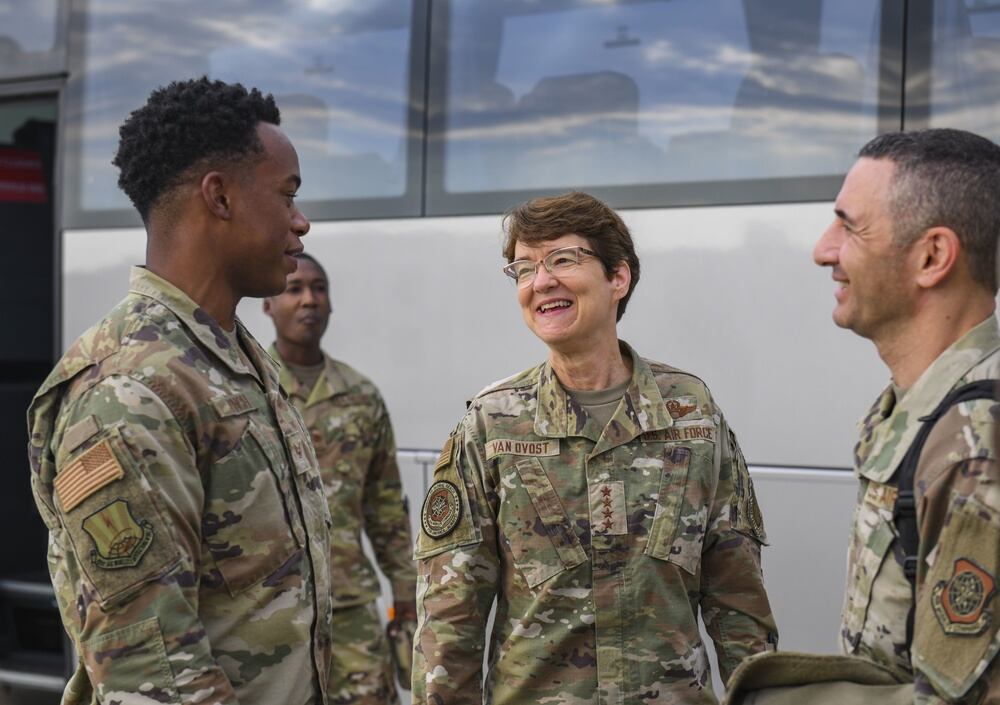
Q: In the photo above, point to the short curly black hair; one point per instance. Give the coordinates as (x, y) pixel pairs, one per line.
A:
(184, 124)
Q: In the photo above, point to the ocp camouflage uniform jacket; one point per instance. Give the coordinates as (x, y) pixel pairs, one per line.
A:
(354, 444)
(188, 532)
(957, 488)
(600, 548)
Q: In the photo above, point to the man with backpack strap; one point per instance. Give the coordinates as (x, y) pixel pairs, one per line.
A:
(913, 251)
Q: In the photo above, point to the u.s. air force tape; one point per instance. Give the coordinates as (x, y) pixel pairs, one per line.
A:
(441, 511)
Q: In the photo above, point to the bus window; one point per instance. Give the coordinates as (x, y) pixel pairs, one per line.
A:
(29, 38)
(339, 71)
(552, 94)
(965, 67)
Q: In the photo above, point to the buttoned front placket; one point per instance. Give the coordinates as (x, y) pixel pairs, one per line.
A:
(301, 484)
(609, 534)
(641, 410)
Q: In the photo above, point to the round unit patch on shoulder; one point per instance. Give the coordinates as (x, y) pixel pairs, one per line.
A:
(960, 603)
(441, 511)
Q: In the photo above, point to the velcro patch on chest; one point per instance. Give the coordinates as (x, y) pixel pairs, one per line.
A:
(607, 508)
(232, 405)
(684, 407)
(89, 472)
(881, 496)
(682, 434)
(960, 602)
(535, 449)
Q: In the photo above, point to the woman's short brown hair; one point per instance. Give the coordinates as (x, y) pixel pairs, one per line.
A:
(574, 213)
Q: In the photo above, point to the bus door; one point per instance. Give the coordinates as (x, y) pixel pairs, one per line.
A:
(31, 635)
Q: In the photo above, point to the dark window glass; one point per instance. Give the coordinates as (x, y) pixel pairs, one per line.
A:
(27, 309)
(339, 71)
(27, 161)
(29, 38)
(965, 66)
(546, 94)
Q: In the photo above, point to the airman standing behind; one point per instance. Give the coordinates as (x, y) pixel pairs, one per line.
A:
(188, 532)
(354, 443)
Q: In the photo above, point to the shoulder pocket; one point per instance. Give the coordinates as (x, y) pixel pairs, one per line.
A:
(245, 526)
(112, 517)
(447, 518)
(130, 662)
(533, 522)
(958, 634)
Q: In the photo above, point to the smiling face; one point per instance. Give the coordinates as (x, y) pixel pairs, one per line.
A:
(267, 225)
(874, 289)
(302, 312)
(575, 310)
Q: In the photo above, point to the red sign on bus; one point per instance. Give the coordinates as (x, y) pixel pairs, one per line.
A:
(22, 177)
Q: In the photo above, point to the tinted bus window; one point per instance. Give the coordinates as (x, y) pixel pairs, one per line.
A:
(339, 72)
(547, 94)
(27, 168)
(29, 34)
(965, 66)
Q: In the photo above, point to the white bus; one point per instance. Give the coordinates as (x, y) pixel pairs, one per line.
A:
(721, 129)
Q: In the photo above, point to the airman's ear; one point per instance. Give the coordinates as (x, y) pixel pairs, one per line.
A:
(267, 305)
(621, 278)
(214, 192)
(937, 253)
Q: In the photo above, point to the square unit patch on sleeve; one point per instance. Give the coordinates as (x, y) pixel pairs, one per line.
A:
(89, 472)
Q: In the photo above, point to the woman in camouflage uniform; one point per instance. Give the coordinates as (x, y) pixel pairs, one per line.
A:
(600, 498)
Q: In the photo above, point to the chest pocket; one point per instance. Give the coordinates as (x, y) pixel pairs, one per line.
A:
(680, 519)
(534, 523)
(347, 439)
(869, 548)
(246, 525)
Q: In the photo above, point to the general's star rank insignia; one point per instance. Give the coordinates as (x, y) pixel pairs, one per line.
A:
(607, 508)
(441, 511)
(120, 541)
(960, 602)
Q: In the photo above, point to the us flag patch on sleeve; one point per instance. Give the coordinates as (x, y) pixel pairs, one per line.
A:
(90, 471)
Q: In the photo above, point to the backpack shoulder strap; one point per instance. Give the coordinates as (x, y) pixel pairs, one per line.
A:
(904, 513)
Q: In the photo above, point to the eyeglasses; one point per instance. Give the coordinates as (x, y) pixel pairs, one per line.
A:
(561, 261)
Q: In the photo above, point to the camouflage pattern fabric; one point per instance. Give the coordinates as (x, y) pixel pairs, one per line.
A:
(957, 487)
(188, 531)
(351, 432)
(600, 547)
(361, 672)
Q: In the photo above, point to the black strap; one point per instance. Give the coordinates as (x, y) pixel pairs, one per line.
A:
(904, 513)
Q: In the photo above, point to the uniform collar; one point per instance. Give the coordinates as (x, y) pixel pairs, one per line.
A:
(330, 383)
(642, 409)
(201, 325)
(890, 427)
